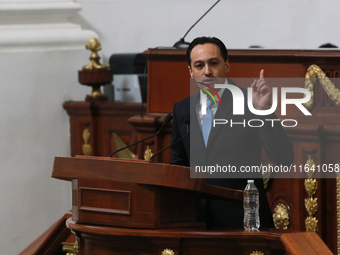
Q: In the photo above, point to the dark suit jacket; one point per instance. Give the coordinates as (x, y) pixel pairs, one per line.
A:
(235, 146)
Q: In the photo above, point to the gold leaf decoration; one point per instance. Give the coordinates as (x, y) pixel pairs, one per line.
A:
(86, 148)
(94, 46)
(311, 204)
(310, 166)
(120, 144)
(168, 252)
(70, 248)
(314, 72)
(148, 153)
(256, 253)
(311, 224)
(310, 186)
(281, 216)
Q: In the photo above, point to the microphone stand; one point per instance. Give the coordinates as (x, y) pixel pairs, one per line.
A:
(183, 44)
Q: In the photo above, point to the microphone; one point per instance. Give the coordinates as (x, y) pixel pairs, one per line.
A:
(167, 119)
(183, 44)
(186, 121)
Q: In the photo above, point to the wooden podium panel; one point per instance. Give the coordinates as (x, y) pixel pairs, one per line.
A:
(109, 240)
(132, 205)
(134, 193)
(169, 79)
(104, 122)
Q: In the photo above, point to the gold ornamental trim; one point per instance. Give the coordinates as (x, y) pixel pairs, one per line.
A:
(86, 148)
(311, 204)
(314, 72)
(71, 248)
(281, 216)
(148, 153)
(168, 252)
(310, 165)
(120, 144)
(310, 186)
(94, 46)
(311, 224)
(256, 253)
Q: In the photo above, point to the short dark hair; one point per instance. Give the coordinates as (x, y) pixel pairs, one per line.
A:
(203, 40)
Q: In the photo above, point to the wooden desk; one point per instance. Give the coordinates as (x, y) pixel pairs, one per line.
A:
(121, 241)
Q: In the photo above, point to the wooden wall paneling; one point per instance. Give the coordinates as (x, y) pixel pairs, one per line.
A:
(330, 231)
(306, 140)
(169, 81)
(80, 119)
(248, 69)
(282, 191)
(102, 119)
(168, 77)
(110, 121)
(148, 125)
(330, 210)
(144, 130)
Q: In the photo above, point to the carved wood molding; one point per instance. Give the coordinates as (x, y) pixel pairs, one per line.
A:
(41, 25)
(314, 72)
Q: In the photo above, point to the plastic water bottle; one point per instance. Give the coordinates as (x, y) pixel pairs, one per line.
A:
(251, 204)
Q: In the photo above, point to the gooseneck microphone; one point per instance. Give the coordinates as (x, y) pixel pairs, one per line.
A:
(167, 119)
(186, 121)
(183, 44)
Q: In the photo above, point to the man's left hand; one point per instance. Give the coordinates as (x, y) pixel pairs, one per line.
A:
(261, 93)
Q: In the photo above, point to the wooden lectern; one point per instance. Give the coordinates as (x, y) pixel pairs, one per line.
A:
(136, 207)
(134, 193)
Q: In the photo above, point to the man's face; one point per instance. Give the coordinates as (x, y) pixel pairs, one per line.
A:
(207, 62)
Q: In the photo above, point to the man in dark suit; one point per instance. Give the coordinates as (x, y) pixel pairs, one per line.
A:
(237, 145)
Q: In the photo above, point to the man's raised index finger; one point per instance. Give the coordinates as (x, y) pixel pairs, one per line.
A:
(261, 73)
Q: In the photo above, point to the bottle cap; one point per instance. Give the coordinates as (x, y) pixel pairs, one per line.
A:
(250, 181)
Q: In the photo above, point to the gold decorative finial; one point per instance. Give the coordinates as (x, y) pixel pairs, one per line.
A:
(168, 252)
(148, 153)
(95, 74)
(94, 46)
